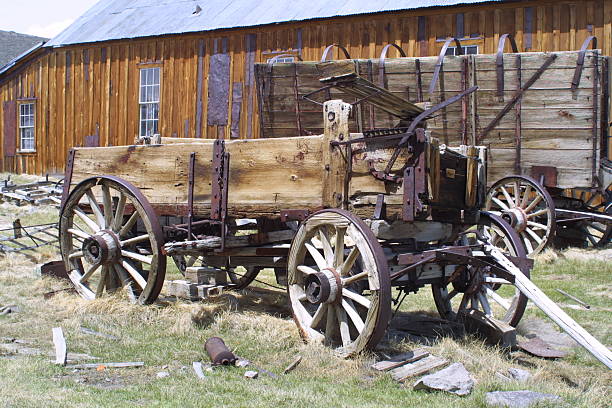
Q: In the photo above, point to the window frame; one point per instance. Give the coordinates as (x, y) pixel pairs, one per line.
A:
(464, 47)
(152, 101)
(21, 127)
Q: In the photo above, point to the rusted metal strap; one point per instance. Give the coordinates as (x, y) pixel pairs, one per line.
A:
(499, 60)
(67, 178)
(464, 101)
(517, 96)
(381, 63)
(517, 123)
(218, 202)
(436, 74)
(190, 188)
(425, 114)
(414, 180)
(580, 61)
(326, 53)
(417, 67)
(594, 137)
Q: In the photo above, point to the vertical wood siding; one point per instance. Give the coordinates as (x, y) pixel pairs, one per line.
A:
(89, 94)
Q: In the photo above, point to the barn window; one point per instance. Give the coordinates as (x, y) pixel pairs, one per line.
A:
(26, 127)
(149, 101)
(467, 49)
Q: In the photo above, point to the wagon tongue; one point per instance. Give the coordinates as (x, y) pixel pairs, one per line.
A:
(529, 289)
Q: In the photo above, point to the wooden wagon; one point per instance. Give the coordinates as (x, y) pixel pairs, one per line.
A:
(342, 218)
(542, 116)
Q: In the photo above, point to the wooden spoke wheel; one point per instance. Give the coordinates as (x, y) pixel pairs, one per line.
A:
(243, 276)
(110, 238)
(338, 282)
(527, 207)
(478, 288)
(592, 233)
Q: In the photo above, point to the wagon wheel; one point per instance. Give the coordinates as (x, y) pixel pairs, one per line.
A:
(242, 276)
(527, 207)
(494, 297)
(338, 282)
(596, 234)
(100, 249)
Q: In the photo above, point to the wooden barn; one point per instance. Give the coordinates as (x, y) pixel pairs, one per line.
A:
(186, 68)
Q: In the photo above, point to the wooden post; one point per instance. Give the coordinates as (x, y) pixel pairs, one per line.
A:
(336, 118)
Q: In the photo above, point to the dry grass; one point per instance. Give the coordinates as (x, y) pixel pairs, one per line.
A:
(169, 335)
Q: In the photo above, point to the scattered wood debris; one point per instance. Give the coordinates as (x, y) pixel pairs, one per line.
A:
(4, 310)
(59, 341)
(495, 332)
(400, 360)
(98, 334)
(197, 367)
(574, 298)
(418, 367)
(103, 366)
(293, 365)
(41, 192)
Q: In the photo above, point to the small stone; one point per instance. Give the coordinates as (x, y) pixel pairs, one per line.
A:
(163, 374)
(454, 379)
(251, 374)
(518, 399)
(519, 374)
(164, 367)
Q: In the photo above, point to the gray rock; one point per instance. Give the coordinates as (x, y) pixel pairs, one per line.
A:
(454, 379)
(536, 327)
(518, 399)
(519, 374)
(242, 362)
(163, 374)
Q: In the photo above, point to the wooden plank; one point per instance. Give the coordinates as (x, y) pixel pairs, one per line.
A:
(106, 365)
(419, 367)
(60, 346)
(400, 360)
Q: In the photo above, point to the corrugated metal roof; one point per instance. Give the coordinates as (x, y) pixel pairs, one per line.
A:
(124, 19)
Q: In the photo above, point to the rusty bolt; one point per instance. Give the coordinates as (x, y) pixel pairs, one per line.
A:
(294, 177)
(327, 167)
(331, 116)
(341, 136)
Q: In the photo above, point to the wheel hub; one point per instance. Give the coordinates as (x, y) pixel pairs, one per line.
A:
(324, 286)
(101, 248)
(516, 217)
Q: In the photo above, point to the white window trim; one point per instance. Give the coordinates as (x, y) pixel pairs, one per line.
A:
(141, 102)
(33, 127)
(464, 47)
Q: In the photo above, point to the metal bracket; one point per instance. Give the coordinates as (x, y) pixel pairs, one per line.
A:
(414, 180)
(436, 74)
(294, 215)
(330, 47)
(500, 61)
(67, 178)
(190, 188)
(220, 185)
(580, 60)
(381, 63)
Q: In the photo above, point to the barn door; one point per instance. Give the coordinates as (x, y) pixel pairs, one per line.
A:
(10, 128)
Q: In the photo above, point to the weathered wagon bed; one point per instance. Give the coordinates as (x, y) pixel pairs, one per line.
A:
(551, 124)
